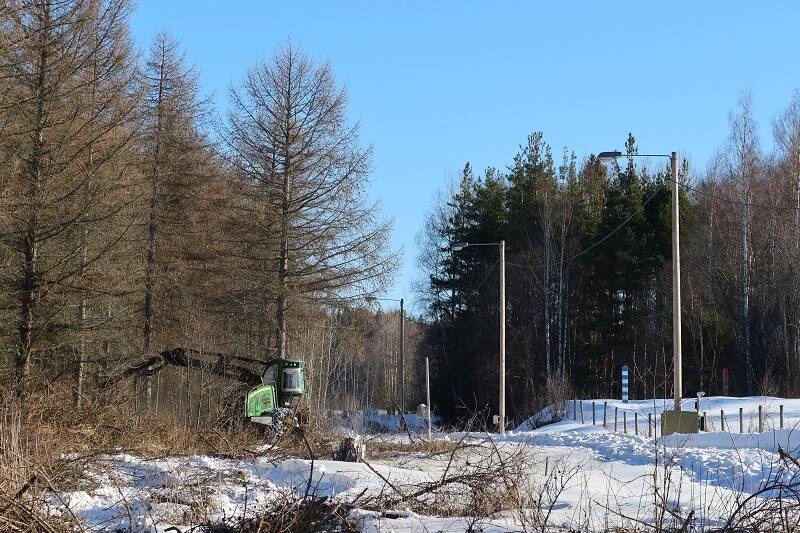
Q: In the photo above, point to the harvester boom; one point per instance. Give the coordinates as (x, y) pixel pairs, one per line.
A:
(216, 363)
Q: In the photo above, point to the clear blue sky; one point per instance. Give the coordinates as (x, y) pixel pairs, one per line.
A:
(435, 84)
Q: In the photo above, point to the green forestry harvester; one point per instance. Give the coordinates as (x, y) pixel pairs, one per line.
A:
(276, 387)
(276, 401)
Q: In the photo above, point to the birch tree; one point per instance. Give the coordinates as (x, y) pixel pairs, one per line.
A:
(743, 161)
(787, 135)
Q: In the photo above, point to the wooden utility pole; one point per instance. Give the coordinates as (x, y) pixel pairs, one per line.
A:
(402, 359)
(676, 287)
(502, 400)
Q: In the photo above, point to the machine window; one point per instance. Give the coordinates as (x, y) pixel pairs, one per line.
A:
(292, 380)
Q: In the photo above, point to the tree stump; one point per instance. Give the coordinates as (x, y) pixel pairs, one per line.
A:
(350, 450)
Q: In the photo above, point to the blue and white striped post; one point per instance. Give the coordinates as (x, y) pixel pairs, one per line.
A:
(624, 383)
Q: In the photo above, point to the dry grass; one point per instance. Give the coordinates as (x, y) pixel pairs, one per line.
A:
(380, 448)
(46, 450)
(46, 447)
(291, 515)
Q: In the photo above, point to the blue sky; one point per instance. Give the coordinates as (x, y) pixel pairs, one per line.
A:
(436, 84)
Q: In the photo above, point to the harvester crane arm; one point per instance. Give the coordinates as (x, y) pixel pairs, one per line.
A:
(216, 363)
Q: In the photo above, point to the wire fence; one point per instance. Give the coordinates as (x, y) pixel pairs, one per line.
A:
(646, 420)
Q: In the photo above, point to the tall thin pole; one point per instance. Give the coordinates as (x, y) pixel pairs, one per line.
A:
(676, 287)
(402, 359)
(502, 399)
(428, 393)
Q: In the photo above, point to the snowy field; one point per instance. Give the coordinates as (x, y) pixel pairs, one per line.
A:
(573, 475)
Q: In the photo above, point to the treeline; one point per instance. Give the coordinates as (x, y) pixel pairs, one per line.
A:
(134, 219)
(589, 279)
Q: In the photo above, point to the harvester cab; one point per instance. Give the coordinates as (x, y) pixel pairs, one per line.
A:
(275, 401)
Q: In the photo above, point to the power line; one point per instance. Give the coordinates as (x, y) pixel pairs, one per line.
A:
(640, 209)
(735, 202)
(486, 277)
(653, 195)
(721, 198)
(601, 241)
(375, 330)
(612, 232)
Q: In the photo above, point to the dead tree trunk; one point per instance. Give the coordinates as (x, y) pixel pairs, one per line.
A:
(29, 244)
(152, 226)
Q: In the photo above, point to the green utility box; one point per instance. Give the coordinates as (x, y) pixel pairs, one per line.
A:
(679, 422)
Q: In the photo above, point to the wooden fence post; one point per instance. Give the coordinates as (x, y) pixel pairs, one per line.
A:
(615, 419)
(581, 406)
(636, 422)
(625, 422)
(781, 416)
(605, 405)
(741, 421)
(649, 425)
(761, 419)
(593, 422)
(722, 420)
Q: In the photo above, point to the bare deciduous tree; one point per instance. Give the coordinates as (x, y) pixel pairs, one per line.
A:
(743, 165)
(69, 127)
(299, 163)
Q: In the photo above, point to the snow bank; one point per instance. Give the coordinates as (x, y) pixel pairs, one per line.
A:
(722, 458)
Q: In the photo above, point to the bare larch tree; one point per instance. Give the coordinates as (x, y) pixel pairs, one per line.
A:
(66, 149)
(294, 151)
(173, 149)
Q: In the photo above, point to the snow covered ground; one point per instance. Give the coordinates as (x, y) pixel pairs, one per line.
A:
(713, 407)
(380, 421)
(579, 475)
